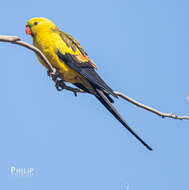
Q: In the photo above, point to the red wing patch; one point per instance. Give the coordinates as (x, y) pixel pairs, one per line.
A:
(81, 58)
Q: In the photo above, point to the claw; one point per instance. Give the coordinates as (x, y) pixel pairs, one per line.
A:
(59, 85)
(48, 73)
(53, 72)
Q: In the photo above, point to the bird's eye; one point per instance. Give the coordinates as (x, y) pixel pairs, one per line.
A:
(35, 23)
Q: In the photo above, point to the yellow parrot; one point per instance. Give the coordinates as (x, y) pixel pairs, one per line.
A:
(72, 62)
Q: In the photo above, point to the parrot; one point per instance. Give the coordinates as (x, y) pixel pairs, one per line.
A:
(73, 64)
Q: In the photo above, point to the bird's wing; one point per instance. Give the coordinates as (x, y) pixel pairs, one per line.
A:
(82, 58)
(85, 70)
(81, 63)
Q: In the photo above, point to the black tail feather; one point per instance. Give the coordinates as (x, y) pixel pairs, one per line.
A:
(109, 98)
(104, 100)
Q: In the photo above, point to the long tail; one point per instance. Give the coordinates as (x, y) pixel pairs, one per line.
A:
(104, 100)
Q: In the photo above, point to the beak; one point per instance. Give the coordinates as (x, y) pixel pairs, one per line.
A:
(28, 31)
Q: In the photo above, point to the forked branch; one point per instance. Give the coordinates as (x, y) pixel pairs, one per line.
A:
(52, 71)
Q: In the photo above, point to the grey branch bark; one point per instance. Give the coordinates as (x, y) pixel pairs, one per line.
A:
(52, 71)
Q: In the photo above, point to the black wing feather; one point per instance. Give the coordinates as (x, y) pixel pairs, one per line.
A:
(87, 71)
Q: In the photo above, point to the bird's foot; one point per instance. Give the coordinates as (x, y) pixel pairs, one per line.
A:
(59, 84)
(52, 72)
(49, 73)
(55, 75)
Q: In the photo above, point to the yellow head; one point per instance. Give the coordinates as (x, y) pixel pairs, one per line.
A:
(36, 25)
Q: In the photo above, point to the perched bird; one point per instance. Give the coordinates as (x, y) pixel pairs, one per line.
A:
(72, 63)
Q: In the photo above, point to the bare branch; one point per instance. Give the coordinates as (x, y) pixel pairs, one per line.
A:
(16, 40)
(53, 72)
(163, 115)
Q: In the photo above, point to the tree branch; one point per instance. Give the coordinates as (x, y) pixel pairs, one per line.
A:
(163, 115)
(53, 72)
(16, 40)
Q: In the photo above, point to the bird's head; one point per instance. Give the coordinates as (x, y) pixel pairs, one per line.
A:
(36, 25)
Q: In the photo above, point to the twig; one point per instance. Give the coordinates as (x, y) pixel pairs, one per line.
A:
(16, 40)
(163, 115)
(53, 71)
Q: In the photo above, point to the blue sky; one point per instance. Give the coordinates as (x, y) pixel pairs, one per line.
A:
(141, 49)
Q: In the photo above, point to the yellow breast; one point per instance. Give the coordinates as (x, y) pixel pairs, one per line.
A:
(49, 44)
